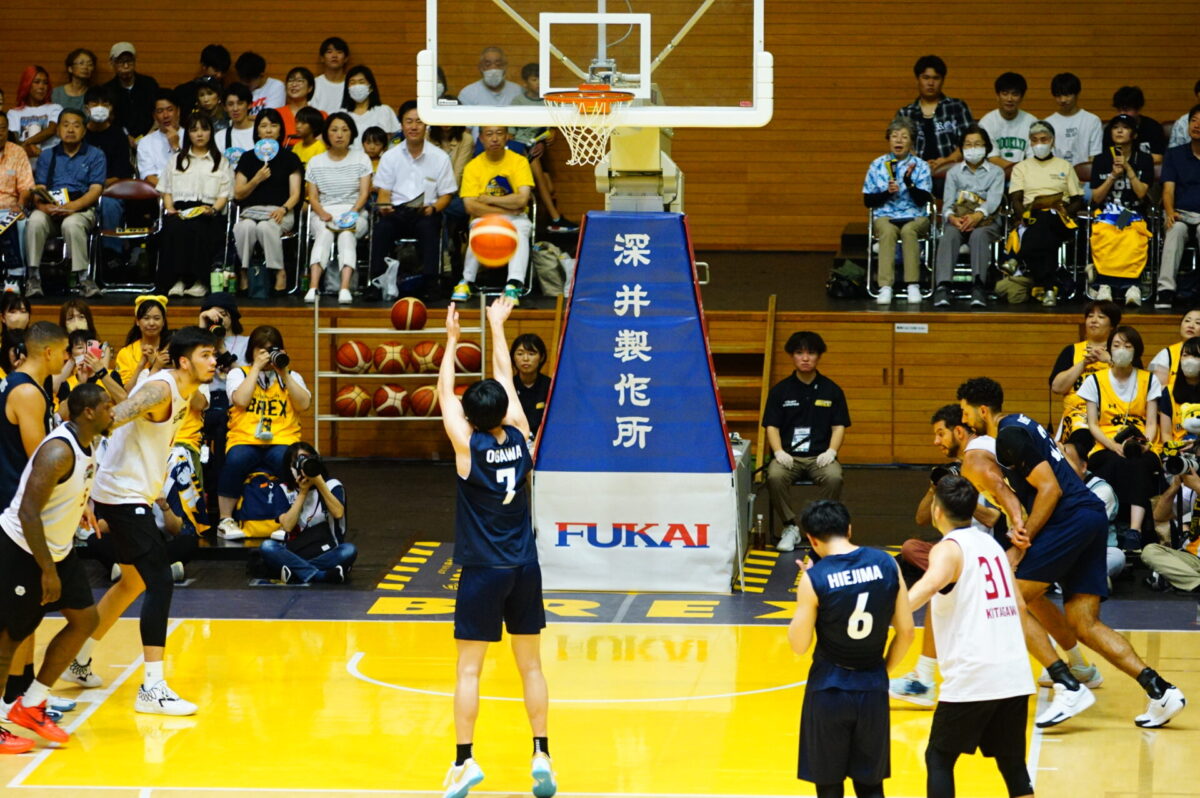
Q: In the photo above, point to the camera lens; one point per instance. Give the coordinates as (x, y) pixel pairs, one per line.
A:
(308, 465)
(218, 330)
(279, 358)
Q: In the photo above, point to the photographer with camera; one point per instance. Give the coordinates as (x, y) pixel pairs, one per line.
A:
(266, 399)
(1177, 565)
(219, 315)
(315, 548)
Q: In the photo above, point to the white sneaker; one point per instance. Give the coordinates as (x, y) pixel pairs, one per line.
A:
(197, 290)
(1066, 704)
(82, 675)
(60, 704)
(1133, 297)
(461, 778)
(229, 530)
(177, 572)
(1161, 710)
(885, 295)
(279, 535)
(1086, 674)
(543, 777)
(1104, 293)
(911, 689)
(114, 574)
(285, 574)
(311, 296)
(914, 293)
(4, 708)
(345, 297)
(177, 289)
(161, 700)
(791, 536)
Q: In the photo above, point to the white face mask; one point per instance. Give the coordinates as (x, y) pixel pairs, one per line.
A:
(1190, 366)
(441, 89)
(1122, 357)
(1041, 150)
(974, 155)
(359, 92)
(493, 78)
(98, 114)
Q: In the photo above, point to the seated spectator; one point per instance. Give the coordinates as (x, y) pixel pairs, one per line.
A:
(214, 63)
(314, 548)
(81, 65)
(266, 400)
(1181, 390)
(75, 315)
(310, 127)
(145, 346)
(239, 136)
(1045, 196)
(361, 101)
(897, 190)
(443, 86)
(158, 148)
(497, 181)
(1179, 130)
(85, 366)
(940, 121)
(220, 315)
(374, 142)
(535, 141)
(72, 175)
(1120, 239)
(1151, 140)
(456, 142)
(1181, 207)
(329, 87)
(195, 191)
(491, 88)
(971, 199)
(16, 181)
(1171, 566)
(339, 185)
(209, 101)
(528, 353)
(104, 134)
(266, 92)
(267, 194)
(806, 420)
(1007, 125)
(15, 311)
(1078, 361)
(1075, 449)
(34, 118)
(415, 183)
(299, 88)
(1079, 132)
(1122, 413)
(135, 93)
(1165, 363)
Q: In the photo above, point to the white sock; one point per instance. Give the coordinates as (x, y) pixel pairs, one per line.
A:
(85, 651)
(153, 674)
(1075, 657)
(926, 666)
(35, 695)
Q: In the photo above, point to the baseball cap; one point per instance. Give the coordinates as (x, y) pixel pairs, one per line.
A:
(1126, 120)
(120, 48)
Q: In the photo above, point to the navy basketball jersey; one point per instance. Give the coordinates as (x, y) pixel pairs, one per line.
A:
(12, 449)
(492, 525)
(1019, 454)
(856, 598)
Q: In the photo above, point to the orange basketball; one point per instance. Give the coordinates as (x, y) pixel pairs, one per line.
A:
(392, 357)
(351, 401)
(493, 240)
(390, 401)
(468, 357)
(408, 313)
(427, 357)
(353, 357)
(459, 390)
(424, 401)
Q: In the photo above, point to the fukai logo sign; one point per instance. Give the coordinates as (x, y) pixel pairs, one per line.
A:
(632, 535)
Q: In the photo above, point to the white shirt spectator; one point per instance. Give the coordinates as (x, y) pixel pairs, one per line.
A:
(1077, 138)
(1125, 390)
(479, 94)
(327, 96)
(1161, 361)
(242, 138)
(429, 174)
(1010, 137)
(235, 344)
(198, 182)
(337, 181)
(381, 116)
(1105, 493)
(27, 122)
(313, 511)
(154, 153)
(269, 95)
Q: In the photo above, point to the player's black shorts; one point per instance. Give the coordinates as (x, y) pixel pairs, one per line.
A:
(996, 728)
(845, 734)
(1072, 553)
(136, 537)
(488, 596)
(21, 608)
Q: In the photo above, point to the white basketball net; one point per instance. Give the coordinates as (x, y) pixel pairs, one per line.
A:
(586, 124)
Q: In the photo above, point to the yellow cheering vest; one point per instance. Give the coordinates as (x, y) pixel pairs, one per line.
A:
(1175, 351)
(190, 431)
(1115, 414)
(1075, 408)
(270, 411)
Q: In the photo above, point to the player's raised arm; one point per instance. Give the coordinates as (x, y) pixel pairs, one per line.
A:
(502, 368)
(458, 429)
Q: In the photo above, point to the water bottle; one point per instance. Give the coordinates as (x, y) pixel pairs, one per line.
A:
(304, 283)
(757, 537)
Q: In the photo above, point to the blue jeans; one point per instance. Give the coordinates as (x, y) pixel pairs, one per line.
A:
(112, 213)
(244, 459)
(319, 569)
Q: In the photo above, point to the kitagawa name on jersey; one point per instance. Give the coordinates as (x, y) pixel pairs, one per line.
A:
(854, 576)
(506, 455)
(1001, 612)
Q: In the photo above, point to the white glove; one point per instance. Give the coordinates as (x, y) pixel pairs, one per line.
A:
(826, 457)
(784, 459)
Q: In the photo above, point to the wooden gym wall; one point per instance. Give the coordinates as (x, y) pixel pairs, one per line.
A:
(841, 70)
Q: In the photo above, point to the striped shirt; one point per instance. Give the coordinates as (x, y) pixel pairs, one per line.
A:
(337, 181)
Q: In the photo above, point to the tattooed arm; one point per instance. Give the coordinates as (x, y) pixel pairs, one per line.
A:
(144, 401)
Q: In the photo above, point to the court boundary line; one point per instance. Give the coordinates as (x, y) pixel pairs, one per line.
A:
(350, 791)
(1035, 741)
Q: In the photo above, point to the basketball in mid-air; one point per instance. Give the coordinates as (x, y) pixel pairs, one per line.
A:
(408, 313)
(493, 240)
(351, 401)
(427, 357)
(424, 401)
(390, 401)
(392, 357)
(353, 357)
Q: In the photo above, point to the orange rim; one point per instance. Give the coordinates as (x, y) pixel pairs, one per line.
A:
(590, 98)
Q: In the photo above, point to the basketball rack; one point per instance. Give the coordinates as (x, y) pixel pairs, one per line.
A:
(325, 373)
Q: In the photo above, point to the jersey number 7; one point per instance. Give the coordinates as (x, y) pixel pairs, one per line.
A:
(508, 477)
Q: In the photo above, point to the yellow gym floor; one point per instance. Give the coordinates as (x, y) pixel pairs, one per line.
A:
(344, 708)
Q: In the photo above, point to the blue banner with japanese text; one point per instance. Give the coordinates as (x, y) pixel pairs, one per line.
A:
(634, 389)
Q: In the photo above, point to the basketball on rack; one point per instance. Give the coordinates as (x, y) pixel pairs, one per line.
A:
(427, 357)
(459, 390)
(353, 357)
(392, 357)
(351, 401)
(468, 357)
(424, 401)
(408, 313)
(391, 401)
(493, 240)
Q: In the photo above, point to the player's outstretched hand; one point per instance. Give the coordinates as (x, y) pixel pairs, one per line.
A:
(499, 311)
(453, 328)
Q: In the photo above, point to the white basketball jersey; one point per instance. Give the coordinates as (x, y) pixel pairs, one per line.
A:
(64, 509)
(980, 642)
(988, 444)
(133, 466)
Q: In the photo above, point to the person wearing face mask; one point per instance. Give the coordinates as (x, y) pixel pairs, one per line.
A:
(1045, 196)
(491, 88)
(103, 133)
(972, 195)
(362, 102)
(1165, 364)
(1183, 388)
(1079, 360)
(1120, 238)
(897, 189)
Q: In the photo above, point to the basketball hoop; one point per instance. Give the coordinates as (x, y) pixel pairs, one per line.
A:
(587, 118)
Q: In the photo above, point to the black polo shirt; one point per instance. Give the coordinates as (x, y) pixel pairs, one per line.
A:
(806, 414)
(533, 400)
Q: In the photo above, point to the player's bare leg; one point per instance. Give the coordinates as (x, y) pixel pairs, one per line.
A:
(1053, 620)
(1036, 637)
(1070, 697)
(465, 773)
(527, 650)
(109, 609)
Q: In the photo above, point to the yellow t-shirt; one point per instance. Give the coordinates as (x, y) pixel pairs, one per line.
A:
(127, 360)
(269, 407)
(305, 154)
(1044, 178)
(485, 177)
(191, 431)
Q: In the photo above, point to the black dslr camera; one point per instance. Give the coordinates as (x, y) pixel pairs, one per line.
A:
(226, 361)
(279, 358)
(1131, 440)
(939, 472)
(309, 465)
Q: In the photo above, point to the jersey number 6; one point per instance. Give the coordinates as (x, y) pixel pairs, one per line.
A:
(861, 622)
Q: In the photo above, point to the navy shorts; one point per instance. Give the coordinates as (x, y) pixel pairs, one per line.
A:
(845, 734)
(1072, 554)
(489, 596)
